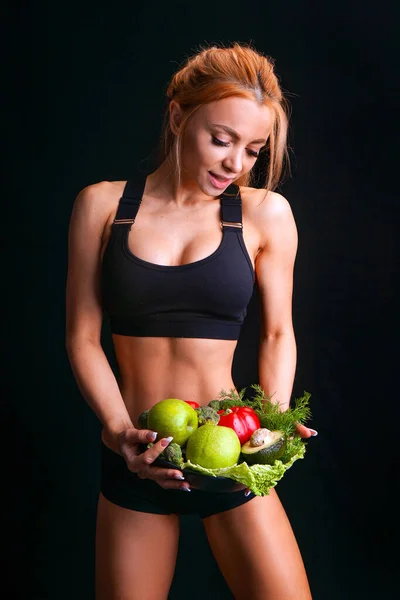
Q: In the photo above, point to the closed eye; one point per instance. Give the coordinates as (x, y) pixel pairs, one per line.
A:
(218, 142)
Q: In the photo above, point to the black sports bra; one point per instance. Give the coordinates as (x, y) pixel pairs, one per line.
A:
(207, 298)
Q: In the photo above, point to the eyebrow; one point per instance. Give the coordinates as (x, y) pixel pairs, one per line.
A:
(235, 135)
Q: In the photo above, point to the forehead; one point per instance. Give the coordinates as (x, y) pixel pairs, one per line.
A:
(247, 117)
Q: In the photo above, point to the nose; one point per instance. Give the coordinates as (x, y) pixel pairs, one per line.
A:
(233, 161)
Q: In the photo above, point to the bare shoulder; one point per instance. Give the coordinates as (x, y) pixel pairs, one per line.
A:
(269, 213)
(99, 198)
(94, 208)
(265, 205)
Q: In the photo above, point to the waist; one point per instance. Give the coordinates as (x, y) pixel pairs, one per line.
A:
(151, 369)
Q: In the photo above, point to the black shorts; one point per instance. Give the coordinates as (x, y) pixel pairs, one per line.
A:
(127, 489)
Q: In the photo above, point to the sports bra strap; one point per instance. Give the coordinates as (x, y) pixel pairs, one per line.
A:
(130, 202)
(231, 205)
(231, 209)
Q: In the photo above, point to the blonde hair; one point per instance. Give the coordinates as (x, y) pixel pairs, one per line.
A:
(215, 73)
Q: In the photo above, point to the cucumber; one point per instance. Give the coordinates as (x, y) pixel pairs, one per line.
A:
(264, 447)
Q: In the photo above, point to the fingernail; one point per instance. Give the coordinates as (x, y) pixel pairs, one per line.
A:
(152, 436)
(166, 441)
(313, 432)
(185, 489)
(180, 477)
(247, 493)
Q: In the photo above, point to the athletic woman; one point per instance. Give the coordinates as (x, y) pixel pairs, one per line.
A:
(172, 258)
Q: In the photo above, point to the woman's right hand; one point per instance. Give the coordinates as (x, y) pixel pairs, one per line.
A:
(127, 444)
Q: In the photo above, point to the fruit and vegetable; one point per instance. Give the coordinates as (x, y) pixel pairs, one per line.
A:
(173, 453)
(173, 417)
(213, 447)
(192, 403)
(263, 447)
(206, 414)
(249, 440)
(242, 419)
(142, 421)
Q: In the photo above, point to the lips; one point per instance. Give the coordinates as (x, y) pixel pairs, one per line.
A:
(221, 178)
(216, 182)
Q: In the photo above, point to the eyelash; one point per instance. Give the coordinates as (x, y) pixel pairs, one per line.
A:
(218, 142)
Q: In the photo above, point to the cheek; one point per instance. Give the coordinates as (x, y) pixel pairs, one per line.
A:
(198, 150)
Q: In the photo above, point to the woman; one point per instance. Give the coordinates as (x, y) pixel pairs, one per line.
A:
(172, 258)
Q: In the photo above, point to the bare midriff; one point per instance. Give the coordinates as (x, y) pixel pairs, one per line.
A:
(154, 368)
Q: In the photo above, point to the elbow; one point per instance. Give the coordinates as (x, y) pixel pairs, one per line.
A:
(277, 334)
(75, 343)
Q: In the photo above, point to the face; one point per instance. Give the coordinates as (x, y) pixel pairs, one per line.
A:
(222, 142)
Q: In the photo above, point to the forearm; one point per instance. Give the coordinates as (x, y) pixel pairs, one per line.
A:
(98, 385)
(277, 366)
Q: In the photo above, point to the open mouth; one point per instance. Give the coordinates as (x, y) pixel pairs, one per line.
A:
(220, 178)
(218, 182)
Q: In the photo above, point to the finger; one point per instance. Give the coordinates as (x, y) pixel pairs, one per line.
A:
(305, 432)
(173, 480)
(159, 447)
(158, 473)
(168, 484)
(131, 440)
(168, 479)
(140, 462)
(139, 436)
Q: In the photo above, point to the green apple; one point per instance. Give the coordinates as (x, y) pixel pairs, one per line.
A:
(213, 447)
(173, 417)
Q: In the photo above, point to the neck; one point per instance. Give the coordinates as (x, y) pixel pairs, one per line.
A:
(163, 181)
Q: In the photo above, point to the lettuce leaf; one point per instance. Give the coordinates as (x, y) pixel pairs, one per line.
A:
(258, 478)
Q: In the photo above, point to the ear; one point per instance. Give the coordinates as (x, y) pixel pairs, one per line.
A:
(175, 116)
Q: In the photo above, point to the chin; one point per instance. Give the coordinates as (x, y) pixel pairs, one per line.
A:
(205, 185)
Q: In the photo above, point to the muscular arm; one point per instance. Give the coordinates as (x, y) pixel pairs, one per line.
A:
(89, 363)
(274, 272)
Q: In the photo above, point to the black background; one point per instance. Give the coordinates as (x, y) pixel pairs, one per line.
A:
(84, 88)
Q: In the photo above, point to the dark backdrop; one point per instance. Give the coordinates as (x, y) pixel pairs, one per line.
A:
(85, 90)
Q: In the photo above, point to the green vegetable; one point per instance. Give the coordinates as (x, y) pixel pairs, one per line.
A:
(206, 414)
(258, 478)
(142, 420)
(173, 453)
(293, 447)
(215, 404)
(263, 447)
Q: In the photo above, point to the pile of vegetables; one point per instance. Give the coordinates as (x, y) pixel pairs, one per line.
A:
(267, 437)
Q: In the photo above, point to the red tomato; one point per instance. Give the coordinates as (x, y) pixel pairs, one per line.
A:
(192, 403)
(242, 419)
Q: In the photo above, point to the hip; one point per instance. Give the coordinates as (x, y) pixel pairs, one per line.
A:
(128, 490)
